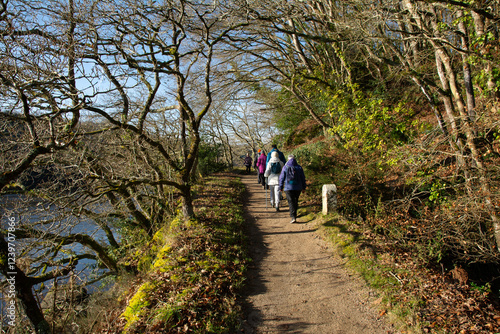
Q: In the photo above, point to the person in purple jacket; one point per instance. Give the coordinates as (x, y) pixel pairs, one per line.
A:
(261, 167)
(292, 180)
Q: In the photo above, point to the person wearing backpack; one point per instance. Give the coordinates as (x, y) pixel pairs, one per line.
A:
(273, 171)
(292, 180)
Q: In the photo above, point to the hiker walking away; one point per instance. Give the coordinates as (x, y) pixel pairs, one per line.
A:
(274, 148)
(255, 165)
(273, 171)
(248, 163)
(292, 180)
(261, 168)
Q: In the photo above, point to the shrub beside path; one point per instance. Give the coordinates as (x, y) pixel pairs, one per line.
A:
(295, 283)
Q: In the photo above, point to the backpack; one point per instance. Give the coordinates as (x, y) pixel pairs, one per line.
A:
(275, 167)
(293, 175)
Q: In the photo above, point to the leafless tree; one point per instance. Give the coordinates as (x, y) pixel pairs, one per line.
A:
(110, 97)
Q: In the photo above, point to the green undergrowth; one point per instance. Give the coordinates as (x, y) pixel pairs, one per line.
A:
(367, 258)
(192, 282)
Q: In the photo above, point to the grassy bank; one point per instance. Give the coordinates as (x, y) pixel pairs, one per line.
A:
(192, 271)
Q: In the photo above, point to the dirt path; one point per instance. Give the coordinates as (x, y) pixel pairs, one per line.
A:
(297, 285)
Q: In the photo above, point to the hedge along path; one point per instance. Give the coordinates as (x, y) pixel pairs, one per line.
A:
(295, 284)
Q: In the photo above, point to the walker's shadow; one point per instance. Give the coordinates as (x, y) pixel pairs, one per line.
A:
(254, 281)
(290, 325)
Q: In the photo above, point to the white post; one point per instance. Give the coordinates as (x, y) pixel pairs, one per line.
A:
(329, 194)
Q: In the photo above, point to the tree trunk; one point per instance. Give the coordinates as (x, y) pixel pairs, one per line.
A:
(469, 90)
(24, 294)
(143, 221)
(187, 201)
(23, 288)
(437, 113)
(455, 140)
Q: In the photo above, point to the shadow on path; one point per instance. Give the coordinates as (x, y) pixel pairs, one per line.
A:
(257, 251)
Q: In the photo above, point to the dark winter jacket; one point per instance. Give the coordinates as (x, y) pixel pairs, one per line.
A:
(292, 176)
(247, 161)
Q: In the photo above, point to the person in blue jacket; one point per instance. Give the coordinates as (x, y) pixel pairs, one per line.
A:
(292, 180)
(281, 156)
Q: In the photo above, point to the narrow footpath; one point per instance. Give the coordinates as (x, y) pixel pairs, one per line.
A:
(295, 283)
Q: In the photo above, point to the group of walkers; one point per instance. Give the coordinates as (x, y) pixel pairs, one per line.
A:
(279, 174)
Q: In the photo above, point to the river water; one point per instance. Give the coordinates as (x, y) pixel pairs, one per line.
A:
(19, 212)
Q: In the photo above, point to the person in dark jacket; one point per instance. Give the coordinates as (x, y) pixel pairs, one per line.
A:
(248, 163)
(255, 165)
(292, 180)
(281, 156)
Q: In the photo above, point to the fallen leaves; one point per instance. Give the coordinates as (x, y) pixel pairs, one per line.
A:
(456, 308)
